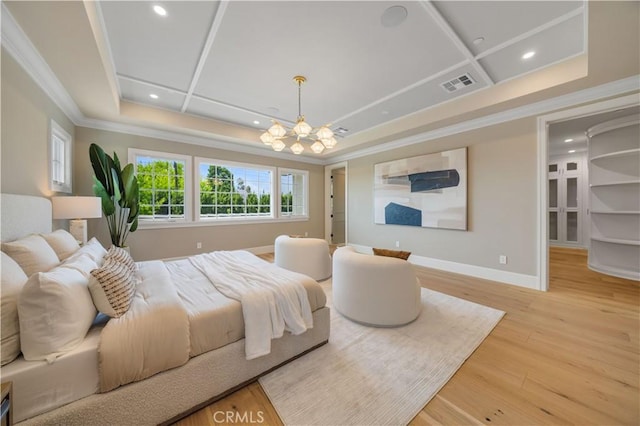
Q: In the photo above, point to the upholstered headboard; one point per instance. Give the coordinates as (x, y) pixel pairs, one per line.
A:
(22, 215)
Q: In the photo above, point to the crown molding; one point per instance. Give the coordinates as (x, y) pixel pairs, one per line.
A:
(607, 90)
(133, 129)
(18, 45)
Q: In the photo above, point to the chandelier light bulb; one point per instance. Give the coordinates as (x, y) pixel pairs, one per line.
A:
(317, 147)
(297, 148)
(277, 130)
(278, 145)
(267, 138)
(329, 142)
(324, 133)
(302, 128)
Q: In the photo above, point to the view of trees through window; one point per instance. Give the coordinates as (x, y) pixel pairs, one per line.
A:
(161, 184)
(227, 191)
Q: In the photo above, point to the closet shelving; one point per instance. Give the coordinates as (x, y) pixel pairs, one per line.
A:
(614, 186)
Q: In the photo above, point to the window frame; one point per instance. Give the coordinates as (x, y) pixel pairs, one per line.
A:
(305, 173)
(230, 219)
(56, 132)
(133, 153)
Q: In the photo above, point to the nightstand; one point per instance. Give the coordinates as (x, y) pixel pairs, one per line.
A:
(6, 412)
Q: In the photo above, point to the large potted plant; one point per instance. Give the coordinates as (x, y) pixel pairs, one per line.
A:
(117, 187)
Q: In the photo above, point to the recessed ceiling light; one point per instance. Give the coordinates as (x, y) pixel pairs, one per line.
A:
(256, 122)
(571, 151)
(393, 16)
(478, 40)
(160, 10)
(528, 55)
(153, 96)
(568, 140)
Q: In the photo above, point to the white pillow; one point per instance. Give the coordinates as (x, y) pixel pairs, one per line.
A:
(13, 279)
(56, 311)
(94, 249)
(32, 253)
(82, 262)
(62, 242)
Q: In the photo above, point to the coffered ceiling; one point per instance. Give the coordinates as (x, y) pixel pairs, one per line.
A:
(367, 63)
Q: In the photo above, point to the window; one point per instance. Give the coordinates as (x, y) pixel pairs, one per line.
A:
(228, 190)
(164, 182)
(60, 159)
(294, 190)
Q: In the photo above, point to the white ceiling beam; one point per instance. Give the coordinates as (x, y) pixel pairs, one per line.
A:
(457, 41)
(213, 31)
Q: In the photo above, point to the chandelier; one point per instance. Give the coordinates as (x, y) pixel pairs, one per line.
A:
(321, 137)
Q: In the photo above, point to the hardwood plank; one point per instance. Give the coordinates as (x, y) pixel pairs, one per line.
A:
(569, 355)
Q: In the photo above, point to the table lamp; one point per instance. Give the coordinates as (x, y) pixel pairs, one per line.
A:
(77, 209)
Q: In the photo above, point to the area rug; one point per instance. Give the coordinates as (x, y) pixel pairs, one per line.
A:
(379, 376)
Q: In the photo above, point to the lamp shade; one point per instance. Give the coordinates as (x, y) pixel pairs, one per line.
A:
(76, 207)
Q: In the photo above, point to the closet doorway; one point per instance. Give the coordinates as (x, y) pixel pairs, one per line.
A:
(336, 204)
(567, 192)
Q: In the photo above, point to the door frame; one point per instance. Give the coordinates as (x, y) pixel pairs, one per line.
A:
(543, 160)
(327, 200)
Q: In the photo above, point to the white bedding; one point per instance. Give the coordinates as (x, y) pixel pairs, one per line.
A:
(39, 387)
(273, 299)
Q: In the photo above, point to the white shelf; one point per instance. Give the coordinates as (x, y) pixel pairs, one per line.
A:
(614, 149)
(620, 182)
(627, 152)
(615, 212)
(616, 241)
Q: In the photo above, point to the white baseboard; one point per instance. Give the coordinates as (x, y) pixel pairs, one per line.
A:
(513, 278)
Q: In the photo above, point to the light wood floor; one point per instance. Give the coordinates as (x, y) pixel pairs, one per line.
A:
(567, 356)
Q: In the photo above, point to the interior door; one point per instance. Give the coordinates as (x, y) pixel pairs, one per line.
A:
(338, 206)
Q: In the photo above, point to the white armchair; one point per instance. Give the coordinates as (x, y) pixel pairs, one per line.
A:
(375, 290)
(309, 256)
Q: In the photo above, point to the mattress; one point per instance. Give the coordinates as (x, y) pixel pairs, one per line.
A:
(39, 387)
(215, 320)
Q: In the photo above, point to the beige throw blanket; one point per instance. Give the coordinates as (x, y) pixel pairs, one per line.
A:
(153, 336)
(273, 299)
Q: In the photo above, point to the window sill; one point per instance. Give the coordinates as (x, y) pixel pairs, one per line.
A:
(142, 226)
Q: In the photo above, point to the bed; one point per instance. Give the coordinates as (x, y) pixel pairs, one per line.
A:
(73, 390)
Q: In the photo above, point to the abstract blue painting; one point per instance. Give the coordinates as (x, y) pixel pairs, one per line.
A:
(426, 191)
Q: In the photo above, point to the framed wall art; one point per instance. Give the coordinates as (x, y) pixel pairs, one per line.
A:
(426, 191)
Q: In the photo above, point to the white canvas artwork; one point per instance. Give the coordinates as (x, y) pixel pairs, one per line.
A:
(427, 191)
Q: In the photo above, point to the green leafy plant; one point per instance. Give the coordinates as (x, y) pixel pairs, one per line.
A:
(117, 187)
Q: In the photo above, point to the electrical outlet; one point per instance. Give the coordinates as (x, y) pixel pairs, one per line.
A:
(306, 234)
(397, 244)
(198, 244)
(503, 259)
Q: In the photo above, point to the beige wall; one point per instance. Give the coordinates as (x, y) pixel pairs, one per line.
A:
(173, 242)
(26, 118)
(501, 201)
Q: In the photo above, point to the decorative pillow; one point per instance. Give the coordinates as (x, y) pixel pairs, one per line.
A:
(404, 255)
(13, 279)
(94, 249)
(62, 242)
(55, 311)
(120, 255)
(32, 253)
(112, 288)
